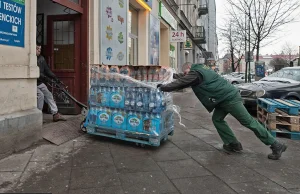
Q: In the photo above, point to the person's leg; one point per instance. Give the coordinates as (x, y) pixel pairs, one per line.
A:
(222, 127)
(50, 101)
(40, 99)
(48, 98)
(238, 111)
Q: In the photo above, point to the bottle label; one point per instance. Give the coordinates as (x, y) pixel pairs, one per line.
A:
(127, 102)
(116, 98)
(119, 119)
(139, 104)
(104, 117)
(132, 103)
(134, 122)
(151, 105)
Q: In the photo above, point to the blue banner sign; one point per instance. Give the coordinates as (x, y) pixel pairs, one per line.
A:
(260, 69)
(12, 22)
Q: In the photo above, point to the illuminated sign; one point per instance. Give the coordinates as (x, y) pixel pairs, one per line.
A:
(147, 4)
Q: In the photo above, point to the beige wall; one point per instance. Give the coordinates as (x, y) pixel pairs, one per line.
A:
(164, 44)
(94, 32)
(18, 69)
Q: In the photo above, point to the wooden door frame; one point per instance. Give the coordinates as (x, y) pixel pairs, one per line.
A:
(84, 44)
(68, 73)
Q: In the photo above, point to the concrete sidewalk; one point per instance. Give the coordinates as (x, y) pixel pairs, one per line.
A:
(192, 161)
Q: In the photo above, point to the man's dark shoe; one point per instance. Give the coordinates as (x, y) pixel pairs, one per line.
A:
(57, 117)
(277, 149)
(233, 147)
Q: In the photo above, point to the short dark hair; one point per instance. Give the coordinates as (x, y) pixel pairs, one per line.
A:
(38, 43)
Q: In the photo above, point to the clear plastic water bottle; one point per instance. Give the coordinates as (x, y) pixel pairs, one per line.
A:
(93, 96)
(133, 99)
(152, 98)
(139, 100)
(128, 99)
(158, 102)
(146, 100)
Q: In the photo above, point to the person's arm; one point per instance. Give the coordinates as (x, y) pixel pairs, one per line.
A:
(48, 71)
(193, 78)
(178, 75)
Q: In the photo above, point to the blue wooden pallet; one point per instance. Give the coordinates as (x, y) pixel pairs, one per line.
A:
(291, 107)
(145, 139)
(286, 134)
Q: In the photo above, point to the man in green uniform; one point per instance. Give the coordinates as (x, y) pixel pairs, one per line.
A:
(217, 95)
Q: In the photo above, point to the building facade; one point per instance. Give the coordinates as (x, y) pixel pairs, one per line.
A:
(75, 34)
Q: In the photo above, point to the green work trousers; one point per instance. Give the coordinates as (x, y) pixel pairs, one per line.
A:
(236, 108)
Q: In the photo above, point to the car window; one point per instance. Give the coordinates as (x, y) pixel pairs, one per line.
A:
(293, 74)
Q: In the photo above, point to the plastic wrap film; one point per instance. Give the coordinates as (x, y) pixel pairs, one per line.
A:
(125, 100)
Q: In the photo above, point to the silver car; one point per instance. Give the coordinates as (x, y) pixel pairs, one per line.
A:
(239, 79)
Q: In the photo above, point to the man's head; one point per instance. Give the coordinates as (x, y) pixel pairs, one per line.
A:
(186, 68)
(38, 49)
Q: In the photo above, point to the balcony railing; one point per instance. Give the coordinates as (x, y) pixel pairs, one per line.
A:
(199, 35)
(202, 10)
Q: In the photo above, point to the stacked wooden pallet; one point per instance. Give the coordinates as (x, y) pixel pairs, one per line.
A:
(281, 117)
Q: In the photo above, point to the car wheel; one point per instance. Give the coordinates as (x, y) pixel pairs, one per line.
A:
(291, 98)
(235, 83)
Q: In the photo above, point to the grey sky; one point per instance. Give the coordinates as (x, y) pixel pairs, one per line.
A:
(290, 33)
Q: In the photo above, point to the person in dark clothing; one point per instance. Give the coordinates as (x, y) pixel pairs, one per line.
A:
(43, 94)
(218, 95)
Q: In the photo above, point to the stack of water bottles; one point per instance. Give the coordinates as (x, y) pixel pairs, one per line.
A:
(126, 99)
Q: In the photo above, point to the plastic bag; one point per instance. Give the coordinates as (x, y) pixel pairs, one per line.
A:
(129, 94)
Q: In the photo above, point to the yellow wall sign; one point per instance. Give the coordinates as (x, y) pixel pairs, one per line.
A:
(145, 4)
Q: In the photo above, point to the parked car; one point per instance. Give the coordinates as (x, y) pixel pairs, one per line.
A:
(238, 79)
(233, 74)
(283, 84)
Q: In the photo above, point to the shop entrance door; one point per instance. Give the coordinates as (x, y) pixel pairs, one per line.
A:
(63, 38)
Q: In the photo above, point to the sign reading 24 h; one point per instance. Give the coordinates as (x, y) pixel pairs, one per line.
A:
(12, 22)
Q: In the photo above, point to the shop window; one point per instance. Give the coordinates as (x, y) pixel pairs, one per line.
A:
(133, 36)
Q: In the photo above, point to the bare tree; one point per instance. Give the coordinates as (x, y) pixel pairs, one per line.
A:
(233, 39)
(265, 17)
(278, 63)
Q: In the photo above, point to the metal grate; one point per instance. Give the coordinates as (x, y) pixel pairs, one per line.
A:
(40, 28)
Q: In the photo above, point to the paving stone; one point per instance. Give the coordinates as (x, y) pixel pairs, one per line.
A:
(136, 164)
(167, 144)
(183, 169)
(42, 177)
(15, 163)
(211, 139)
(122, 150)
(167, 154)
(194, 145)
(203, 185)
(8, 180)
(103, 190)
(146, 182)
(94, 177)
(38, 169)
(94, 146)
(200, 132)
(286, 176)
(295, 191)
(211, 157)
(92, 159)
(258, 187)
(188, 124)
(182, 137)
(51, 152)
(234, 173)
